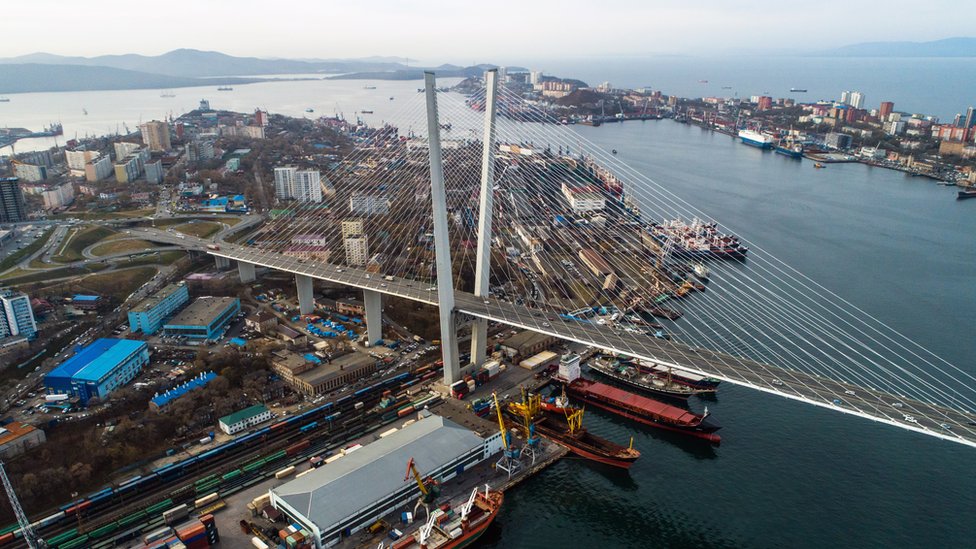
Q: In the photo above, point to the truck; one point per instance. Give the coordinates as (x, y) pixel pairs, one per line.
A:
(388, 278)
(213, 247)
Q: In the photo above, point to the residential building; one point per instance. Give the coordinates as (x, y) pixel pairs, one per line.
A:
(204, 319)
(970, 117)
(248, 132)
(103, 366)
(845, 97)
(242, 420)
(77, 160)
(124, 149)
(352, 227)
(58, 196)
(16, 316)
(764, 103)
(285, 177)
(155, 135)
(310, 240)
(30, 172)
(154, 172)
(357, 250)
(129, 168)
(149, 315)
(261, 117)
(13, 209)
(307, 186)
(199, 150)
(98, 169)
(16, 438)
(308, 252)
(361, 487)
(836, 140)
(857, 100)
(886, 109)
(369, 203)
(350, 306)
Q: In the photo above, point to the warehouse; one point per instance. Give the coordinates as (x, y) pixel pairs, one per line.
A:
(354, 491)
(244, 419)
(149, 314)
(98, 369)
(312, 376)
(205, 318)
(527, 343)
(16, 438)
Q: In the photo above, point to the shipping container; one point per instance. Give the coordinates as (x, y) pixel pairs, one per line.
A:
(285, 472)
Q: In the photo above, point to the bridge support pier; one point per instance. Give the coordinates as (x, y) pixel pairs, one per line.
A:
(222, 263)
(306, 300)
(482, 287)
(442, 250)
(246, 271)
(374, 315)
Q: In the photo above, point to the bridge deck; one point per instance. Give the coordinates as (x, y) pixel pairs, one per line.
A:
(877, 405)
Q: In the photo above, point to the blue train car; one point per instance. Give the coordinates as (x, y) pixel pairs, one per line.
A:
(309, 427)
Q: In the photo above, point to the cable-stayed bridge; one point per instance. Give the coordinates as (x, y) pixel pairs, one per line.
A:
(517, 219)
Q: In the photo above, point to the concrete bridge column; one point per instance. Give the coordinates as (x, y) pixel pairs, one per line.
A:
(246, 271)
(222, 263)
(479, 330)
(374, 315)
(306, 299)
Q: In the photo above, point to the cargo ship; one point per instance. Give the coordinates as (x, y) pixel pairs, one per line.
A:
(695, 381)
(563, 424)
(966, 194)
(697, 239)
(458, 527)
(649, 380)
(635, 407)
(756, 139)
(790, 149)
(798, 90)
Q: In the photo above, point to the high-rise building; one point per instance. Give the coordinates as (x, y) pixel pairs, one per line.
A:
(957, 120)
(364, 203)
(845, 97)
(76, 161)
(30, 172)
(970, 118)
(885, 110)
(357, 250)
(764, 103)
(58, 196)
(261, 117)
(535, 77)
(155, 135)
(124, 149)
(204, 105)
(285, 181)
(198, 150)
(12, 206)
(16, 317)
(857, 100)
(154, 172)
(98, 169)
(352, 227)
(308, 186)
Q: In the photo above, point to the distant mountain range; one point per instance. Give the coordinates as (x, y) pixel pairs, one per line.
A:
(949, 47)
(39, 72)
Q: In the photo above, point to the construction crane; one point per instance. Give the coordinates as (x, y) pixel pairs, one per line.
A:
(26, 530)
(509, 462)
(429, 488)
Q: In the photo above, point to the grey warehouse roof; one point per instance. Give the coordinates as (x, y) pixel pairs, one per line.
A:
(332, 493)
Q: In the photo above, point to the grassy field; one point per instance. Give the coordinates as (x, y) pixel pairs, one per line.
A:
(25, 277)
(79, 241)
(17, 256)
(104, 215)
(118, 284)
(120, 246)
(203, 229)
(163, 258)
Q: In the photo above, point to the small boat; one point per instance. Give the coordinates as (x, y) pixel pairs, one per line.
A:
(726, 87)
(969, 193)
(225, 89)
(167, 93)
(614, 151)
(798, 90)
(391, 98)
(310, 109)
(366, 111)
(703, 81)
(700, 271)
(4, 100)
(84, 112)
(818, 165)
(369, 87)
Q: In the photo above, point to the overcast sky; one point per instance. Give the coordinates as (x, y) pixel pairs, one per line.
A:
(458, 31)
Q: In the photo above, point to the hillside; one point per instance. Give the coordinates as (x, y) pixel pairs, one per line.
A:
(36, 77)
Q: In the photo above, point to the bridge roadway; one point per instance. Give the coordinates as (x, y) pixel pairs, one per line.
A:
(877, 405)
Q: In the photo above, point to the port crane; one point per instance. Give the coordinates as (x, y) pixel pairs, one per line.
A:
(509, 462)
(429, 487)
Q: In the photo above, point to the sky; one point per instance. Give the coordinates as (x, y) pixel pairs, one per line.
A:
(496, 31)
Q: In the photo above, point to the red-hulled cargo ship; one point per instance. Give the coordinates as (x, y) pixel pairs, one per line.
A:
(458, 529)
(555, 427)
(636, 407)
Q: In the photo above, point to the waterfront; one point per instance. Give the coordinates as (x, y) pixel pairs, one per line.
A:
(786, 475)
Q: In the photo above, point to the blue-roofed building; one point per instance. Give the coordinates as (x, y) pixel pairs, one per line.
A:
(98, 369)
(148, 316)
(160, 401)
(205, 318)
(86, 302)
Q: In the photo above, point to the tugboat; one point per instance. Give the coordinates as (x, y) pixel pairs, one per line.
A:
(700, 271)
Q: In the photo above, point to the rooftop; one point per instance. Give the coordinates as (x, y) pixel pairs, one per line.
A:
(241, 415)
(329, 370)
(177, 392)
(80, 297)
(155, 299)
(202, 312)
(97, 359)
(329, 494)
(13, 431)
(525, 338)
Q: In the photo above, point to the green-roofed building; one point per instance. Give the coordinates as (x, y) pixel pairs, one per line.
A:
(275, 214)
(244, 419)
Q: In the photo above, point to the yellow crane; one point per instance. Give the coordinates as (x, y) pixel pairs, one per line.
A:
(429, 489)
(509, 462)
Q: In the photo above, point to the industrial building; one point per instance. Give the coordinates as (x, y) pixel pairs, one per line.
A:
(358, 489)
(244, 419)
(312, 376)
(16, 438)
(160, 401)
(205, 318)
(526, 344)
(98, 369)
(86, 302)
(148, 316)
